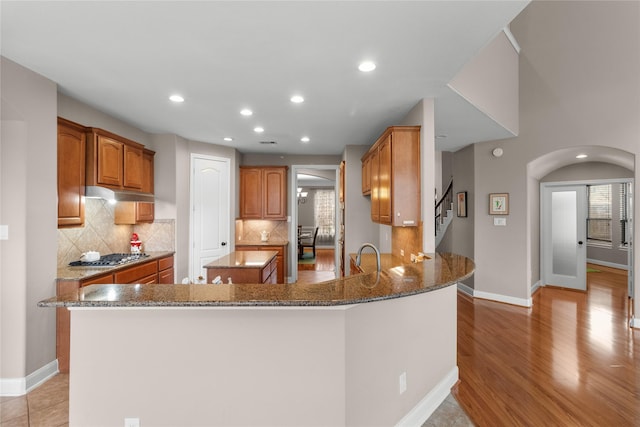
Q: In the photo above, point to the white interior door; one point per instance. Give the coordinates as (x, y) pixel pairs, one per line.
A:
(210, 210)
(564, 236)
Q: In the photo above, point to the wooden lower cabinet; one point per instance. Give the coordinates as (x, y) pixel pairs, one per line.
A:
(281, 258)
(151, 272)
(165, 271)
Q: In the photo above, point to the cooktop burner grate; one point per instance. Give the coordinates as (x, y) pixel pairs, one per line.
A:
(110, 260)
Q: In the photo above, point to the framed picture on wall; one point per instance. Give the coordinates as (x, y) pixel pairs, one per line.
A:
(462, 203)
(499, 204)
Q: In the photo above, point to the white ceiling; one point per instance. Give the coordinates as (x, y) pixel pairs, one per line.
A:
(126, 58)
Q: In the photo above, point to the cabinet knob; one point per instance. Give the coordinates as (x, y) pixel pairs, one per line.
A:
(224, 243)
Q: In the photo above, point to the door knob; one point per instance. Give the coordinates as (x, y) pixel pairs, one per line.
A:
(225, 243)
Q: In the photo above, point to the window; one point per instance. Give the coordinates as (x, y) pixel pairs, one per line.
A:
(599, 215)
(324, 209)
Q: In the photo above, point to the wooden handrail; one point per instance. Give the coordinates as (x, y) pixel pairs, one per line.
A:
(445, 201)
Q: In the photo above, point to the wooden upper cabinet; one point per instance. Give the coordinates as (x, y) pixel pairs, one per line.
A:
(147, 171)
(110, 167)
(71, 173)
(263, 192)
(275, 193)
(132, 167)
(250, 193)
(395, 177)
(366, 175)
(113, 161)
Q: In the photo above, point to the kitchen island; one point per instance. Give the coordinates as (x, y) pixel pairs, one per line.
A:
(244, 267)
(376, 348)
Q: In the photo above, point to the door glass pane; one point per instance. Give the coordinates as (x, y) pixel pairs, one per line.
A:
(564, 232)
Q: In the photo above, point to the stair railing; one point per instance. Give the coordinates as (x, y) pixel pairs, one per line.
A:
(445, 203)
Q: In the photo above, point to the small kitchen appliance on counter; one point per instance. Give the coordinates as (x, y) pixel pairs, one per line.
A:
(136, 244)
(110, 260)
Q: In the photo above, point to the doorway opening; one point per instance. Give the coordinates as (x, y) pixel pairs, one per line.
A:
(314, 221)
(594, 227)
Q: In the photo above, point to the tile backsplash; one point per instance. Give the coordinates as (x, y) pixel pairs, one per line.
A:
(101, 234)
(249, 230)
(408, 239)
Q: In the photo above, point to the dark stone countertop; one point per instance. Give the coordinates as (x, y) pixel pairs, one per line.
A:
(243, 259)
(83, 273)
(442, 270)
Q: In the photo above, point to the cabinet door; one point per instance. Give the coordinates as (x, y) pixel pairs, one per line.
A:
(109, 161)
(384, 181)
(166, 276)
(250, 193)
(405, 183)
(132, 168)
(275, 193)
(366, 176)
(147, 171)
(71, 173)
(145, 212)
(375, 187)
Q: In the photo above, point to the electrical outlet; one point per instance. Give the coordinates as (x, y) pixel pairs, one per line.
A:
(4, 232)
(401, 252)
(402, 382)
(132, 422)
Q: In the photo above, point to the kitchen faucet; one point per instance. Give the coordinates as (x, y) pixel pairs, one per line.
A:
(364, 245)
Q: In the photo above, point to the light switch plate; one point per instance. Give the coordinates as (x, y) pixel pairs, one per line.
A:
(4, 232)
(500, 222)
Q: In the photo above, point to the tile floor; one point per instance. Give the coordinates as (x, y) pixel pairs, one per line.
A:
(48, 406)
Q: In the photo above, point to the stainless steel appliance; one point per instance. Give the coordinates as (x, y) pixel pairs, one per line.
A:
(110, 260)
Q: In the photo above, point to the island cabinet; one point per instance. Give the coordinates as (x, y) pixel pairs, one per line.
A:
(263, 192)
(113, 161)
(281, 257)
(392, 167)
(71, 172)
(244, 267)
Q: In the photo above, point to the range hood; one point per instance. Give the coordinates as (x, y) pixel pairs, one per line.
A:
(93, 191)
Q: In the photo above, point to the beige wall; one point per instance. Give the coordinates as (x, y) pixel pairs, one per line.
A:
(489, 82)
(578, 87)
(324, 366)
(28, 207)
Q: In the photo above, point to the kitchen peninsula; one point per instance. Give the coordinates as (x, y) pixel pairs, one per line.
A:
(377, 348)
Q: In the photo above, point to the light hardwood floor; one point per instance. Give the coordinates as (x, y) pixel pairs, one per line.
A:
(571, 360)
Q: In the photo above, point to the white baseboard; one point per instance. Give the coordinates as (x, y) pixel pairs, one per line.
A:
(423, 410)
(466, 289)
(608, 264)
(528, 302)
(21, 386)
(635, 322)
(535, 287)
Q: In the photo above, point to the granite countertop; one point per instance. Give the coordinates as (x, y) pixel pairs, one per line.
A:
(270, 242)
(442, 270)
(243, 259)
(82, 273)
(368, 261)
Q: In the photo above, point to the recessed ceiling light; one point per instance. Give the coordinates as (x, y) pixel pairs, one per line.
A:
(176, 98)
(258, 129)
(581, 156)
(246, 112)
(305, 139)
(297, 99)
(366, 66)
(228, 138)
